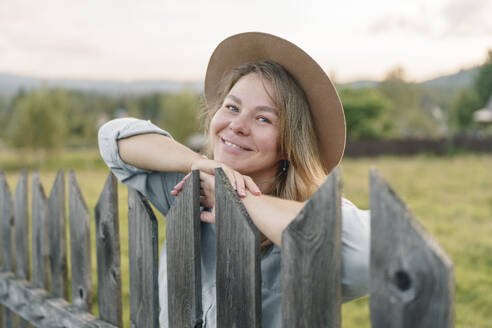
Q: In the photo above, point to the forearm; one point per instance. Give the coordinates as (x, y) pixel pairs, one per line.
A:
(271, 215)
(152, 151)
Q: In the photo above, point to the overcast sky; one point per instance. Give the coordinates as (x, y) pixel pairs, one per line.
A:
(150, 39)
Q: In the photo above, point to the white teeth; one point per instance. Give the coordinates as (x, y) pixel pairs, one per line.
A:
(231, 144)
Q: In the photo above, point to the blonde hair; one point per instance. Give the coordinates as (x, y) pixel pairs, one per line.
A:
(298, 140)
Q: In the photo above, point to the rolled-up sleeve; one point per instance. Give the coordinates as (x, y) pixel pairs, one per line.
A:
(355, 251)
(156, 186)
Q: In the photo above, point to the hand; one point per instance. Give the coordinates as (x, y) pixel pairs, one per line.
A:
(238, 181)
(207, 194)
(207, 185)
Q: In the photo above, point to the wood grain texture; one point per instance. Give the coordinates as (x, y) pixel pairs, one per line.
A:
(6, 224)
(108, 253)
(40, 260)
(57, 237)
(80, 246)
(238, 260)
(21, 227)
(144, 258)
(411, 277)
(183, 257)
(311, 264)
(42, 309)
(6, 240)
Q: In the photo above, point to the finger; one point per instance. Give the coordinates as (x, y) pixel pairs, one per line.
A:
(230, 176)
(180, 184)
(207, 217)
(251, 186)
(240, 184)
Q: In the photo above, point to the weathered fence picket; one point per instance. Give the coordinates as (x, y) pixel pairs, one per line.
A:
(80, 246)
(143, 254)
(6, 231)
(311, 266)
(31, 300)
(21, 236)
(411, 279)
(108, 254)
(238, 284)
(40, 260)
(21, 227)
(57, 237)
(183, 257)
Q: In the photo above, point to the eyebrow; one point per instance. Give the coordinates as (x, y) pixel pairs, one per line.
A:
(258, 108)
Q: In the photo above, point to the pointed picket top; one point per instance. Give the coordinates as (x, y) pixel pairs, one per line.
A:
(6, 224)
(57, 237)
(40, 260)
(80, 246)
(238, 259)
(108, 253)
(411, 277)
(183, 256)
(311, 266)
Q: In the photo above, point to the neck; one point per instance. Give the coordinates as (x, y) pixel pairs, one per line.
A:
(265, 183)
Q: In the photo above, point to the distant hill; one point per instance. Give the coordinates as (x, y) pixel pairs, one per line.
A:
(9, 84)
(462, 79)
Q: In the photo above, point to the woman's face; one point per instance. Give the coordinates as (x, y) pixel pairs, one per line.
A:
(245, 130)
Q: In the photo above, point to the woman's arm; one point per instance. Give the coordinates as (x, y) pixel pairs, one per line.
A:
(271, 214)
(156, 152)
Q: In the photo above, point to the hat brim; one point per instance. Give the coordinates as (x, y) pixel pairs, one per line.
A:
(325, 105)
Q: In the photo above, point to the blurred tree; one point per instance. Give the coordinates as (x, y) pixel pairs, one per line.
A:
(483, 81)
(4, 111)
(39, 120)
(180, 114)
(409, 118)
(461, 113)
(367, 113)
(81, 120)
(149, 106)
(469, 100)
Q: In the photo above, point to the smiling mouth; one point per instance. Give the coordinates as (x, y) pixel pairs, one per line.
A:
(233, 145)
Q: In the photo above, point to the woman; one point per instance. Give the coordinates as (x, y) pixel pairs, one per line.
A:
(277, 129)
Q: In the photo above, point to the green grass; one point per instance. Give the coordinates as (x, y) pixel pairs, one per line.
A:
(450, 196)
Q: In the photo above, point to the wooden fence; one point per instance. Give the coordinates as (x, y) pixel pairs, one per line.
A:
(411, 278)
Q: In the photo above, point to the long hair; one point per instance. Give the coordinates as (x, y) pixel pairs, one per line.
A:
(298, 141)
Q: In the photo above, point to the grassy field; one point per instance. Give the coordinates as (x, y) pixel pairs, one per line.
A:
(450, 196)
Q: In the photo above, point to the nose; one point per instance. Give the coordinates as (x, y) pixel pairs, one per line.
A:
(240, 124)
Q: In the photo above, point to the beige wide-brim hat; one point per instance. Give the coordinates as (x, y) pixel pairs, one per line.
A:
(325, 105)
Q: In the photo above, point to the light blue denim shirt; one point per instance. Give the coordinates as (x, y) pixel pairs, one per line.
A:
(156, 186)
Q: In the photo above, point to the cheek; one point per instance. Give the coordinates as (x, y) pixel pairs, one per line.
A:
(271, 143)
(217, 123)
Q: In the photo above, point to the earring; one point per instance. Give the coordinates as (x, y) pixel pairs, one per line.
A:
(285, 165)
